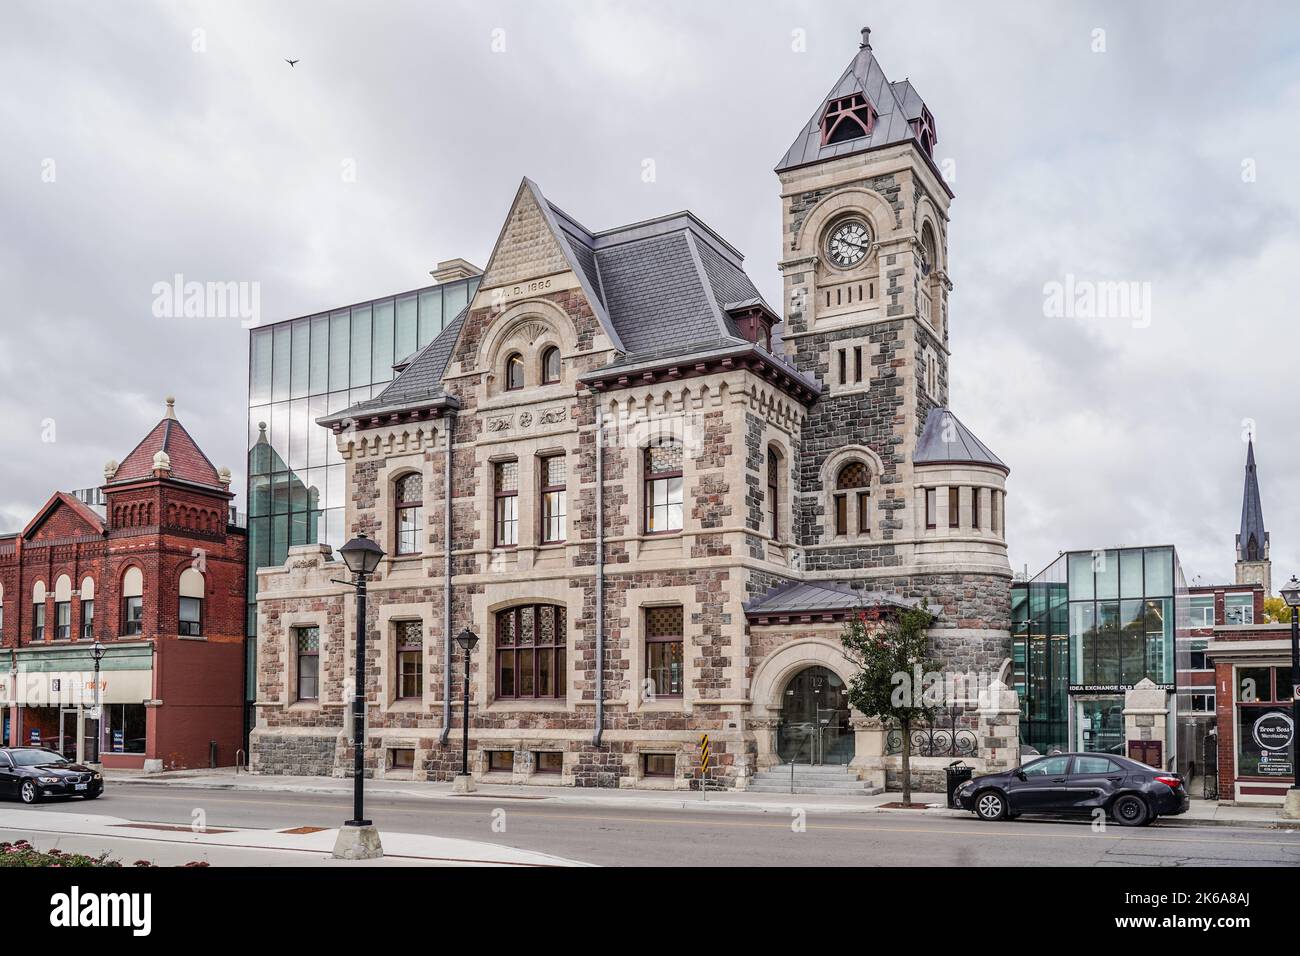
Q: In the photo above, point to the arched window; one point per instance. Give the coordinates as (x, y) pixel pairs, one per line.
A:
(928, 249)
(530, 652)
(408, 512)
(852, 488)
(550, 366)
(663, 486)
(514, 372)
(774, 494)
(87, 609)
(38, 611)
(190, 617)
(132, 602)
(63, 608)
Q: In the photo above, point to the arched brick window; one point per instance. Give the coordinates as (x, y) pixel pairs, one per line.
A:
(408, 512)
(514, 372)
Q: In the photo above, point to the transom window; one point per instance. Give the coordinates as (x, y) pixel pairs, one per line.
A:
(553, 477)
(308, 645)
(409, 512)
(551, 366)
(531, 652)
(505, 482)
(410, 660)
(663, 486)
(514, 372)
(663, 651)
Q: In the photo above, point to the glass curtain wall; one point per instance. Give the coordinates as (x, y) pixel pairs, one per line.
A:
(1040, 658)
(302, 369)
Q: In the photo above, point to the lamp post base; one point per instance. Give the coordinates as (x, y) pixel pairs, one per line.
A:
(358, 842)
(463, 783)
(1291, 808)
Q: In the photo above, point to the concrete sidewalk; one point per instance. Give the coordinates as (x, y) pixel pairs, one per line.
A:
(127, 841)
(1201, 812)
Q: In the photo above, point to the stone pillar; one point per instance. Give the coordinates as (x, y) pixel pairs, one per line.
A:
(869, 752)
(1146, 716)
(998, 728)
(764, 729)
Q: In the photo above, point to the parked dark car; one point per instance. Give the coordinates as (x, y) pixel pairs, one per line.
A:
(30, 773)
(1131, 793)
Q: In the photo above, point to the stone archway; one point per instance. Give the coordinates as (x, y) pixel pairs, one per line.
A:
(773, 678)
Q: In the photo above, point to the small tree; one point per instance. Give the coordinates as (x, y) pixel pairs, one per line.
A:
(890, 650)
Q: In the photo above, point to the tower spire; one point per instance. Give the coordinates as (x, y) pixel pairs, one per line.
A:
(1253, 565)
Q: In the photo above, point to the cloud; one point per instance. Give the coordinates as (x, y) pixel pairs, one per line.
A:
(225, 164)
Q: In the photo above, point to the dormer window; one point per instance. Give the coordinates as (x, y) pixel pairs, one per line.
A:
(849, 117)
(754, 325)
(924, 129)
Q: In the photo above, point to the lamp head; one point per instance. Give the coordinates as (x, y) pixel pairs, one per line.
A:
(1291, 592)
(361, 555)
(467, 639)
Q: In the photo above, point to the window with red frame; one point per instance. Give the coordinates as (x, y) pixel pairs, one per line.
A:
(846, 118)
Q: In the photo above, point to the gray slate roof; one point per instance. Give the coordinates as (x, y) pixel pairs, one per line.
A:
(945, 440)
(895, 104)
(1252, 512)
(821, 596)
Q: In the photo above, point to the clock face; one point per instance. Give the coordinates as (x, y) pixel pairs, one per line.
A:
(849, 243)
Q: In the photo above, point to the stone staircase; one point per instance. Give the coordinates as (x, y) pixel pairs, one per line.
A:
(830, 779)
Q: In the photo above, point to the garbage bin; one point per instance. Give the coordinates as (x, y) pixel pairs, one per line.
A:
(957, 774)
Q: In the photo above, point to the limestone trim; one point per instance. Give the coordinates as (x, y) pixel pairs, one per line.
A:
(500, 596)
(290, 621)
(851, 199)
(388, 617)
(528, 327)
(640, 600)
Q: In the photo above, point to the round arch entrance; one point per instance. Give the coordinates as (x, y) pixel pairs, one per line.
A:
(814, 723)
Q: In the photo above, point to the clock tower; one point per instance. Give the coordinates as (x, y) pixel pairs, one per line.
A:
(894, 489)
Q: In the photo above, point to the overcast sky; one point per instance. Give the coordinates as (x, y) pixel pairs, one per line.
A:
(1162, 151)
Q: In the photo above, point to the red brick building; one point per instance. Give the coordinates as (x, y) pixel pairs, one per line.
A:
(154, 570)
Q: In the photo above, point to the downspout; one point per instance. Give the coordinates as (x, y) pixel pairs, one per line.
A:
(449, 432)
(600, 572)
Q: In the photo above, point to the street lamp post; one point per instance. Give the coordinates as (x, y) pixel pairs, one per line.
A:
(358, 839)
(1291, 595)
(466, 639)
(97, 655)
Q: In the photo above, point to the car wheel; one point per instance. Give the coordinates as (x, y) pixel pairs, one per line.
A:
(1130, 811)
(990, 805)
(28, 792)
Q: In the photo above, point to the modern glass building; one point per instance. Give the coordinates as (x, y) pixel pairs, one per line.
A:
(1085, 630)
(301, 369)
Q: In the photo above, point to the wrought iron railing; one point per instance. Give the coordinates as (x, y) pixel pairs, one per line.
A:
(943, 735)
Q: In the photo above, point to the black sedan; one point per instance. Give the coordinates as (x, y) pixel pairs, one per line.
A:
(1130, 793)
(30, 773)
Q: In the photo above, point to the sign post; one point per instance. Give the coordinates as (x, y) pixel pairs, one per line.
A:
(704, 766)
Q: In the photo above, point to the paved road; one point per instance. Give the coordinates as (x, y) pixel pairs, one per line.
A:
(618, 836)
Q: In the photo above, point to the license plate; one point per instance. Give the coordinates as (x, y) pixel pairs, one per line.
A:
(80, 786)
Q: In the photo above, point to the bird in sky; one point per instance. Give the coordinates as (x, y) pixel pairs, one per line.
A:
(290, 62)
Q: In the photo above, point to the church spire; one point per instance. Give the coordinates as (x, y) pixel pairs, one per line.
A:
(1253, 565)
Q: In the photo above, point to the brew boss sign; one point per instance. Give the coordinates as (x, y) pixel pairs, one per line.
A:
(1272, 733)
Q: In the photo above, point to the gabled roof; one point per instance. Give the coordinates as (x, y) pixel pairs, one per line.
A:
(1252, 512)
(895, 105)
(946, 441)
(821, 597)
(188, 463)
(94, 523)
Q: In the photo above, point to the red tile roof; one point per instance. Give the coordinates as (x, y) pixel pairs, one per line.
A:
(187, 459)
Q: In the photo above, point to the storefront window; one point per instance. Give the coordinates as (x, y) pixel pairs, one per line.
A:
(126, 728)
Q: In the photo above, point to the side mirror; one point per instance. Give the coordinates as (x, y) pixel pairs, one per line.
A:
(1020, 774)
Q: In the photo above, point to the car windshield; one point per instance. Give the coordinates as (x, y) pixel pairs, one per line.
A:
(35, 758)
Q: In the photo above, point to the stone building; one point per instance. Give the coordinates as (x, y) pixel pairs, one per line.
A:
(151, 566)
(654, 496)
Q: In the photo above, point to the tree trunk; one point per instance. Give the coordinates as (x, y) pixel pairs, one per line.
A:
(906, 727)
